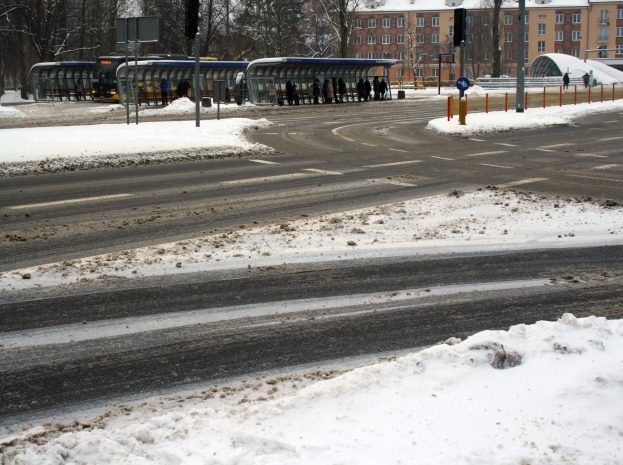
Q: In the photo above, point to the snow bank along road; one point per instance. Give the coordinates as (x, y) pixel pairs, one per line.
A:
(113, 336)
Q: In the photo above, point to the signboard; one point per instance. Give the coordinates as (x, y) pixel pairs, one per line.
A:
(446, 58)
(137, 29)
(462, 83)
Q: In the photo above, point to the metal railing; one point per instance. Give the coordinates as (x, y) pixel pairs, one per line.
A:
(509, 83)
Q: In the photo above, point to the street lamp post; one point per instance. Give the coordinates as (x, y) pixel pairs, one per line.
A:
(521, 67)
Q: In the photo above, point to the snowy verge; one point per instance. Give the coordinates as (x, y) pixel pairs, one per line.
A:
(498, 121)
(535, 394)
(490, 219)
(27, 150)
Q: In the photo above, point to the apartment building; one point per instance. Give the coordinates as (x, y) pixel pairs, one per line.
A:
(417, 32)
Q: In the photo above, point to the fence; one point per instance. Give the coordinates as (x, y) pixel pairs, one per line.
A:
(529, 82)
(542, 98)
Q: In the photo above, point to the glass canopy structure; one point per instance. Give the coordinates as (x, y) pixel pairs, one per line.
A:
(61, 79)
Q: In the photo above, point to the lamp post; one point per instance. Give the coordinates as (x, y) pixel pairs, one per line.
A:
(521, 67)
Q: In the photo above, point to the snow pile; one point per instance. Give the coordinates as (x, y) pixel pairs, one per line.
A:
(496, 121)
(107, 108)
(10, 112)
(548, 393)
(185, 106)
(492, 219)
(27, 150)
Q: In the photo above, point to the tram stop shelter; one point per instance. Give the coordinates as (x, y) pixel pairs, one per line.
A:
(267, 77)
(148, 74)
(62, 79)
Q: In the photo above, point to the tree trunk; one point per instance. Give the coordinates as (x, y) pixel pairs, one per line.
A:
(495, 45)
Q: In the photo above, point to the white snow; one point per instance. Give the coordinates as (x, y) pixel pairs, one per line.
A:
(548, 393)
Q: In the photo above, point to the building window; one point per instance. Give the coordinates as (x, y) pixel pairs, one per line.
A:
(469, 38)
(400, 39)
(469, 21)
(560, 18)
(620, 13)
(401, 73)
(508, 19)
(576, 18)
(385, 39)
(435, 72)
(386, 23)
(419, 21)
(357, 40)
(508, 37)
(401, 55)
(508, 54)
(357, 22)
(619, 49)
(526, 19)
(451, 31)
(435, 22)
(400, 21)
(371, 56)
(619, 31)
(387, 55)
(575, 36)
(541, 29)
(371, 22)
(526, 56)
(526, 37)
(603, 34)
(540, 46)
(575, 52)
(603, 17)
(371, 40)
(434, 38)
(419, 39)
(418, 72)
(560, 36)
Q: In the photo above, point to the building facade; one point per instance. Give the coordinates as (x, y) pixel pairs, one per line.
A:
(416, 32)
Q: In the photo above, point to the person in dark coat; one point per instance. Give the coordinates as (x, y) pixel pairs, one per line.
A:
(316, 91)
(375, 88)
(361, 90)
(382, 88)
(341, 87)
(164, 91)
(586, 79)
(368, 89)
(565, 80)
(289, 92)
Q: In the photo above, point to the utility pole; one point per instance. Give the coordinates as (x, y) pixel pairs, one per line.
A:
(521, 59)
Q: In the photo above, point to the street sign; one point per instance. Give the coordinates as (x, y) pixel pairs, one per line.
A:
(462, 83)
(446, 58)
(137, 29)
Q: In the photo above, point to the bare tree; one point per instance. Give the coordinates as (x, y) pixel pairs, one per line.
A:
(414, 54)
(341, 15)
(492, 9)
(318, 39)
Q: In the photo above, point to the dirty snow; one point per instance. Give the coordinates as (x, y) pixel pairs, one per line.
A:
(547, 393)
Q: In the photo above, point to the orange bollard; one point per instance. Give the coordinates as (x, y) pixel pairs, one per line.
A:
(575, 95)
(602, 93)
(560, 97)
(525, 105)
(449, 108)
(613, 91)
(589, 94)
(544, 98)
(486, 103)
(506, 101)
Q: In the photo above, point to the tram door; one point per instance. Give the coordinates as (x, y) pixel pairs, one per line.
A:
(263, 89)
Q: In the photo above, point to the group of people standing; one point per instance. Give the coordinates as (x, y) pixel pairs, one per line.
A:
(182, 89)
(586, 79)
(334, 90)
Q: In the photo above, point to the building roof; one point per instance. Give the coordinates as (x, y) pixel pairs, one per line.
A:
(372, 6)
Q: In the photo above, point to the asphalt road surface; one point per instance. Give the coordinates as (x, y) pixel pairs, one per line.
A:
(83, 343)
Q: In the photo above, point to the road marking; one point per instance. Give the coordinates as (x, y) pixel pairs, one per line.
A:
(279, 177)
(398, 150)
(266, 162)
(392, 182)
(505, 144)
(611, 121)
(393, 164)
(442, 158)
(523, 181)
(497, 166)
(369, 145)
(315, 170)
(484, 154)
(299, 133)
(608, 139)
(476, 140)
(607, 167)
(590, 155)
(594, 177)
(553, 146)
(269, 133)
(70, 201)
(544, 150)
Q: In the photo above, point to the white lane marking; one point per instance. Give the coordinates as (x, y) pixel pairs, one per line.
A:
(497, 166)
(269, 133)
(611, 121)
(607, 139)
(607, 167)
(484, 154)
(594, 155)
(398, 150)
(594, 177)
(70, 201)
(279, 177)
(523, 181)
(392, 182)
(505, 144)
(357, 303)
(315, 170)
(299, 133)
(408, 162)
(543, 150)
(554, 146)
(476, 140)
(266, 162)
(369, 145)
(336, 132)
(442, 158)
